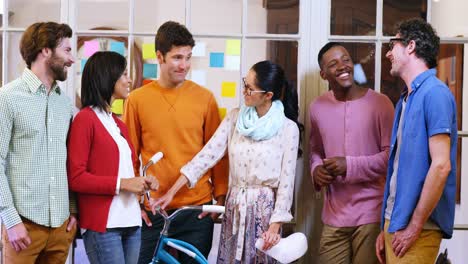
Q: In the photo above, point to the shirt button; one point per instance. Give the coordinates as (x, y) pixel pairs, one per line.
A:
(52, 197)
(50, 139)
(52, 178)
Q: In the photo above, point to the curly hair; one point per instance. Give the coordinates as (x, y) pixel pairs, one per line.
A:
(42, 35)
(172, 34)
(425, 37)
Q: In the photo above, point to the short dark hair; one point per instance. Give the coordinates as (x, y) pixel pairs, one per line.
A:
(425, 37)
(102, 70)
(42, 35)
(172, 34)
(324, 49)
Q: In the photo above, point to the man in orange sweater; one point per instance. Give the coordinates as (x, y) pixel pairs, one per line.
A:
(177, 117)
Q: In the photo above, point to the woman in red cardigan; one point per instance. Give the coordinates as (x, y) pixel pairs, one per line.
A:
(100, 165)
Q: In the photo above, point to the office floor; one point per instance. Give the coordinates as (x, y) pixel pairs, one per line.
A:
(81, 258)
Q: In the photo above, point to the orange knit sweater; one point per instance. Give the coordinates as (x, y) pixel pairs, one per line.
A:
(178, 122)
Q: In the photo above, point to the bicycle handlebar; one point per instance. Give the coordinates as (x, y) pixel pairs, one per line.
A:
(156, 157)
(204, 208)
(153, 160)
(213, 209)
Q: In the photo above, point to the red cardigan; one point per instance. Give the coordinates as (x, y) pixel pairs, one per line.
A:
(93, 164)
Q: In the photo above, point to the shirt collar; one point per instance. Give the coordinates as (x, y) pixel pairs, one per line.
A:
(35, 85)
(419, 80)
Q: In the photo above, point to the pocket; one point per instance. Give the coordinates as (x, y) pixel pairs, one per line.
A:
(69, 235)
(414, 123)
(29, 125)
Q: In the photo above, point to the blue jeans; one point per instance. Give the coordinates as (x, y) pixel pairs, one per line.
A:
(116, 245)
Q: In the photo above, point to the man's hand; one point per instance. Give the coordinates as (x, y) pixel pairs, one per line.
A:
(72, 221)
(18, 237)
(145, 218)
(322, 177)
(380, 247)
(404, 239)
(220, 201)
(336, 165)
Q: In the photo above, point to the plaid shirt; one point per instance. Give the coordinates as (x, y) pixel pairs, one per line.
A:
(33, 128)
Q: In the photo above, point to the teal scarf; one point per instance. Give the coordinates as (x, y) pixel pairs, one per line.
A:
(263, 128)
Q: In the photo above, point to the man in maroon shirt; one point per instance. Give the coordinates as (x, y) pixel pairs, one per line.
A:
(349, 143)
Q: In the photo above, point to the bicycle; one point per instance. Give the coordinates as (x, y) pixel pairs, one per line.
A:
(160, 254)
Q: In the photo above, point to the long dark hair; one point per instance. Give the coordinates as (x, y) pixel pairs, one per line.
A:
(270, 77)
(102, 70)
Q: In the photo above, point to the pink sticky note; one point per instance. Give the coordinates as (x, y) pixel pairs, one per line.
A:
(91, 47)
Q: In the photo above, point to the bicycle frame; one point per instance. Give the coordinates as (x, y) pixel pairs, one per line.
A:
(161, 255)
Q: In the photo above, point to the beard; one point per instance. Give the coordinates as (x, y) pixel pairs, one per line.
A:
(57, 67)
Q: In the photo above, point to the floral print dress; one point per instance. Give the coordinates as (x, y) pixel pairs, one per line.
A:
(261, 184)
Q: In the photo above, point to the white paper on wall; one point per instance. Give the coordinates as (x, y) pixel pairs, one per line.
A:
(232, 63)
(199, 76)
(199, 50)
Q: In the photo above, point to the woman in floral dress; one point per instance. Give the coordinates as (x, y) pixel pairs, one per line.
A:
(261, 139)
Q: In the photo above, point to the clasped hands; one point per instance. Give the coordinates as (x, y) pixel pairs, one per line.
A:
(332, 167)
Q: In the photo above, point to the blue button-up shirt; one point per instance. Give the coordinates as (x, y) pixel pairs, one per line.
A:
(430, 110)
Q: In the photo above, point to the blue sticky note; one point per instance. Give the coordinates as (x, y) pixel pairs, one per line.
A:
(217, 59)
(83, 63)
(149, 70)
(118, 47)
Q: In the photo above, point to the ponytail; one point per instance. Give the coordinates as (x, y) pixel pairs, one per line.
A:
(290, 101)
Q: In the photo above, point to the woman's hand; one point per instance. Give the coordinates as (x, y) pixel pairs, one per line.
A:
(271, 237)
(166, 199)
(162, 202)
(138, 185)
(152, 182)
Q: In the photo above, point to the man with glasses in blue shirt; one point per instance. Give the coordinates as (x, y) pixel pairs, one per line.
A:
(419, 201)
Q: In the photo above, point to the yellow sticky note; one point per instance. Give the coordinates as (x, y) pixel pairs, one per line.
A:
(233, 47)
(228, 89)
(222, 112)
(149, 51)
(117, 106)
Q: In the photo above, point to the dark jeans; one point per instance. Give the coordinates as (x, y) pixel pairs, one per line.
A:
(116, 245)
(186, 227)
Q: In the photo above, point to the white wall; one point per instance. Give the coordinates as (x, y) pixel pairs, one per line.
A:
(224, 17)
(449, 17)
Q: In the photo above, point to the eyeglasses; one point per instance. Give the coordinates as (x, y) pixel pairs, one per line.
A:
(391, 44)
(249, 91)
